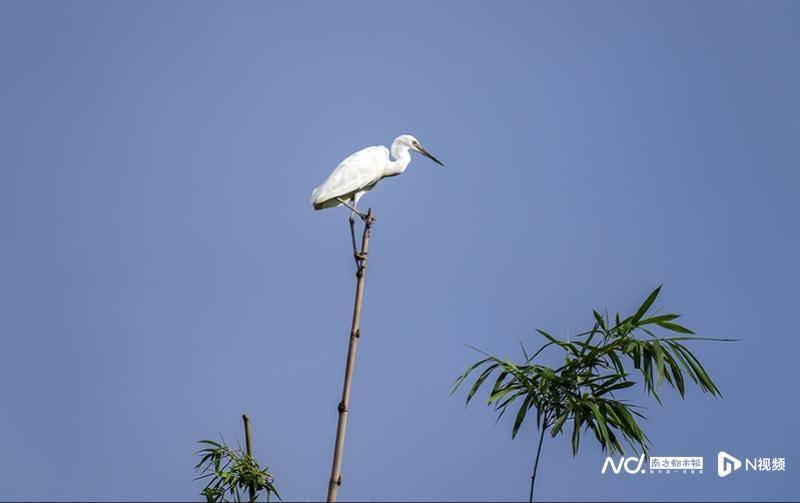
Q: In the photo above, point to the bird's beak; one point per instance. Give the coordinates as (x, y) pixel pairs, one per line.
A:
(429, 156)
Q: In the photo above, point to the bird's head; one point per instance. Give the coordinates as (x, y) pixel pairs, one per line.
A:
(410, 142)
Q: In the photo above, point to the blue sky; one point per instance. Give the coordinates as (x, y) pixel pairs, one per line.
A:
(163, 271)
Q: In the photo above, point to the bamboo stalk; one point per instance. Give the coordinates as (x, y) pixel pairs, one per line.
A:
(344, 405)
(249, 446)
(536, 464)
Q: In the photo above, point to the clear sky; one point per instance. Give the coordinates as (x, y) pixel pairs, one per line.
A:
(162, 269)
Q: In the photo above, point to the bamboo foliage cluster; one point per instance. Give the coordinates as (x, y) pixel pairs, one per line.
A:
(598, 364)
(232, 473)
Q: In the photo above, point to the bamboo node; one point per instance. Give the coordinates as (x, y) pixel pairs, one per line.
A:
(355, 333)
(341, 407)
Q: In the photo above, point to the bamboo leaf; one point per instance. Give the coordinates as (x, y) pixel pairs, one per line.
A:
(646, 305)
(674, 327)
(600, 321)
(659, 319)
(576, 433)
(601, 422)
(620, 385)
(559, 422)
(480, 381)
(467, 372)
(523, 411)
(659, 353)
(676, 374)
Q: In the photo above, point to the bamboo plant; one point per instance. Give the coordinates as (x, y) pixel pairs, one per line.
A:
(598, 365)
(233, 472)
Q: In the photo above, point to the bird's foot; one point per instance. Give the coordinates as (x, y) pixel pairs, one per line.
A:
(359, 256)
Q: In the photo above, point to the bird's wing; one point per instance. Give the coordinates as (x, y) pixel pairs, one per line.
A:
(356, 172)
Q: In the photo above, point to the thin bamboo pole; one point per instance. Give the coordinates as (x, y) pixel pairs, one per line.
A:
(536, 464)
(355, 334)
(249, 446)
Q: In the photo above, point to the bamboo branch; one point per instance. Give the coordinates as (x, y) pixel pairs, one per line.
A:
(344, 405)
(536, 464)
(249, 446)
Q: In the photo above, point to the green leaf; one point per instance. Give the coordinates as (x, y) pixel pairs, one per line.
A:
(467, 372)
(617, 386)
(659, 353)
(499, 394)
(576, 433)
(674, 327)
(559, 422)
(601, 422)
(646, 305)
(677, 375)
(680, 358)
(702, 375)
(659, 319)
(523, 410)
(480, 380)
(600, 321)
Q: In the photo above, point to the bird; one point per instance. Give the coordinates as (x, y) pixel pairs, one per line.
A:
(359, 173)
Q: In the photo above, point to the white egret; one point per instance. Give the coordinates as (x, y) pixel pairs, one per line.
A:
(359, 173)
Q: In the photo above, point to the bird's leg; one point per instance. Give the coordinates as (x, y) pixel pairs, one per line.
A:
(353, 211)
(352, 208)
